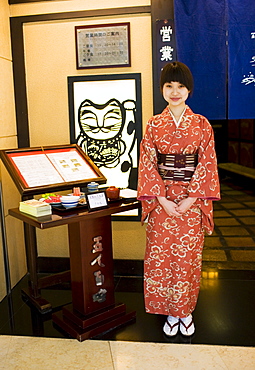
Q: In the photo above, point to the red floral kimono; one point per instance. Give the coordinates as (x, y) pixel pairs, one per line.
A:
(173, 257)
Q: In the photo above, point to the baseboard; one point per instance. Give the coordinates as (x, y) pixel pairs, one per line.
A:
(128, 267)
(60, 264)
(52, 264)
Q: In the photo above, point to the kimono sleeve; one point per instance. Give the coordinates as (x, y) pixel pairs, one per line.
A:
(150, 184)
(205, 181)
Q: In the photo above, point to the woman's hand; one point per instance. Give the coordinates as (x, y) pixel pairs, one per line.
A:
(170, 207)
(185, 204)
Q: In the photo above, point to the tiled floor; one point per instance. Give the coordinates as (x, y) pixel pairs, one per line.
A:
(232, 245)
(224, 316)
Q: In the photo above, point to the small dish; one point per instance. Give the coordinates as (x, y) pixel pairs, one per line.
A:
(51, 202)
(92, 187)
(69, 204)
(55, 204)
(113, 193)
(69, 201)
(82, 195)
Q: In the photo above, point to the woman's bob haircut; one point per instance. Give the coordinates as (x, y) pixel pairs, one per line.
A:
(177, 72)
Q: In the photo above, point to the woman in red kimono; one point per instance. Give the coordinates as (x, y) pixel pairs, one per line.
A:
(178, 180)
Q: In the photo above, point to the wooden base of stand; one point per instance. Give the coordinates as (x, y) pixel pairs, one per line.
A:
(84, 327)
(41, 304)
(93, 310)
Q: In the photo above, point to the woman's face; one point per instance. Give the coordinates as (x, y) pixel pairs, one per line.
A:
(175, 94)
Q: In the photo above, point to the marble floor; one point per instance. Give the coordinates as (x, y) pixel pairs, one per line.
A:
(25, 353)
(224, 316)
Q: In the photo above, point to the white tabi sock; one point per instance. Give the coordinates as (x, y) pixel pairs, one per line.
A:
(171, 326)
(187, 326)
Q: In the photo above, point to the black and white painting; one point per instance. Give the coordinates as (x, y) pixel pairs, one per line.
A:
(105, 121)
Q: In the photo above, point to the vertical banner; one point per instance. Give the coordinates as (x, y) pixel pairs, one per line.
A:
(241, 24)
(201, 44)
(166, 44)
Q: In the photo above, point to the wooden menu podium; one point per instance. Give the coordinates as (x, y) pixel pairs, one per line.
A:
(93, 309)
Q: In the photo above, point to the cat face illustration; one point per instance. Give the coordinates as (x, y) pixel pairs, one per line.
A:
(101, 122)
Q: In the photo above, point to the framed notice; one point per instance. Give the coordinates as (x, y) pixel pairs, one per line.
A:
(36, 170)
(96, 201)
(105, 45)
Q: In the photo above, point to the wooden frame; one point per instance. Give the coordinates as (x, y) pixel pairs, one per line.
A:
(50, 158)
(11, 2)
(103, 46)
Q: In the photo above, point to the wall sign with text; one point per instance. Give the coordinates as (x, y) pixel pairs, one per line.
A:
(103, 45)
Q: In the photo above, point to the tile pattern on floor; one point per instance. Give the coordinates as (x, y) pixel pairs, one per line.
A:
(232, 244)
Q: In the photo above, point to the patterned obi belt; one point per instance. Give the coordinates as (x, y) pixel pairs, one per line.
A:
(177, 167)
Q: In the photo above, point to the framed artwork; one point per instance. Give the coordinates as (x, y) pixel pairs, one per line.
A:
(106, 45)
(106, 122)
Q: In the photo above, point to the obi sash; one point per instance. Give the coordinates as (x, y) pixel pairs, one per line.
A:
(177, 167)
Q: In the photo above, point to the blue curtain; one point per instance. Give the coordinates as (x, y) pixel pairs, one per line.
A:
(201, 44)
(241, 26)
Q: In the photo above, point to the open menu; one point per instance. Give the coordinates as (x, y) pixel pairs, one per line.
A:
(52, 168)
(45, 167)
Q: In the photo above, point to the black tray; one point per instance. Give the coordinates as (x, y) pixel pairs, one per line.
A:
(63, 209)
(84, 206)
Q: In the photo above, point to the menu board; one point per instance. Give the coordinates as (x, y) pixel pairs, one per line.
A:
(45, 167)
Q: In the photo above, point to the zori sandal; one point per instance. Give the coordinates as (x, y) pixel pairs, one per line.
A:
(171, 328)
(187, 326)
